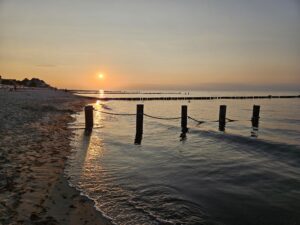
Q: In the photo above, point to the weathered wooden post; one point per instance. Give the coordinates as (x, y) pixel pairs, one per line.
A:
(255, 115)
(184, 117)
(139, 124)
(222, 117)
(89, 117)
(184, 128)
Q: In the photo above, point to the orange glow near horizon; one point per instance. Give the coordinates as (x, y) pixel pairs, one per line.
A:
(211, 46)
(101, 76)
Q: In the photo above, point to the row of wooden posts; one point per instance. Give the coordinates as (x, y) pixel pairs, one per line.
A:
(89, 120)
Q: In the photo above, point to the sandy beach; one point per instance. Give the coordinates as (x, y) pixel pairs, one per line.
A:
(34, 145)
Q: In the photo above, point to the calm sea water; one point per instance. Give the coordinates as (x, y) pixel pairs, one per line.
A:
(240, 176)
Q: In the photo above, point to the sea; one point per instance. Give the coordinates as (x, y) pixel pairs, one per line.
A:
(243, 175)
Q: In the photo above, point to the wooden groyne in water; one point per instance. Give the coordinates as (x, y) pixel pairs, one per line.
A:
(188, 98)
(89, 118)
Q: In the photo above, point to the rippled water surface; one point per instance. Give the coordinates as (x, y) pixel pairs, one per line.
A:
(240, 176)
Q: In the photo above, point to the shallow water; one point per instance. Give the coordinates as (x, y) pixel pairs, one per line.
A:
(240, 176)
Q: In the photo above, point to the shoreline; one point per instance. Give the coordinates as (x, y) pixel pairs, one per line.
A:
(34, 145)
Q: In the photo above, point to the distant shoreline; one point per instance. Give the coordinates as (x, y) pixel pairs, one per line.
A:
(122, 92)
(188, 98)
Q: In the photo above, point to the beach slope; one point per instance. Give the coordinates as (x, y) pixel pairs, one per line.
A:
(34, 145)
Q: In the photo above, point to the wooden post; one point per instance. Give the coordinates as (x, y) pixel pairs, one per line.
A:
(255, 115)
(139, 124)
(89, 120)
(222, 117)
(184, 128)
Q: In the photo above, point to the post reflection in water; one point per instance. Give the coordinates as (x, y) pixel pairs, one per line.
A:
(254, 131)
(255, 120)
(85, 142)
(222, 127)
(183, 136)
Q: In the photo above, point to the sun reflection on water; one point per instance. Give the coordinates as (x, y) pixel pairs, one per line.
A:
(101, 93)
(94, 150)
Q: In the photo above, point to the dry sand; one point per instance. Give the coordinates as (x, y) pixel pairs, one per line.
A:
(34, 145)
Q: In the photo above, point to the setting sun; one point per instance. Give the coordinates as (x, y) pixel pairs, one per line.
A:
(101, 76)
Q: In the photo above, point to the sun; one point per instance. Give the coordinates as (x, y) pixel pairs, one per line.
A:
(101, 76)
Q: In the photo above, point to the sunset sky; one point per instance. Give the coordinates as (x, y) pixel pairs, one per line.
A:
(152, 44)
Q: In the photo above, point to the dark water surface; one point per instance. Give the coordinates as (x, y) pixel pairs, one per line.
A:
(239, 176)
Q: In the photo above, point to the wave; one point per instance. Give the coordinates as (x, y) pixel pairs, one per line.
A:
(85, 194)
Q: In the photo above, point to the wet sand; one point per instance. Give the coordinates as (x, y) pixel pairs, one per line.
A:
(34, 145)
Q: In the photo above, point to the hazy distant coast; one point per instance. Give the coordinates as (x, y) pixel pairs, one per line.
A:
(34, 145)
(25, 83)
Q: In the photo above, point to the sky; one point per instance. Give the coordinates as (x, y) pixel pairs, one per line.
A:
(152, 44)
